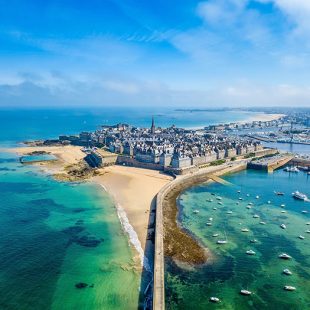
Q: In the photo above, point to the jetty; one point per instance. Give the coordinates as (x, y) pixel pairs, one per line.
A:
(181, 182)
(270, 164)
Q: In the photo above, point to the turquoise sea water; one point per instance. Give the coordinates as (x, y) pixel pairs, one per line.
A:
(54, 235)
(232, 269)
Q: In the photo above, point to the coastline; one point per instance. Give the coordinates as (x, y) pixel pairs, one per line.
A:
(133, 191)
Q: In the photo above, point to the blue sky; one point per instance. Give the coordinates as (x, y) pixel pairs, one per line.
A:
(143, 52)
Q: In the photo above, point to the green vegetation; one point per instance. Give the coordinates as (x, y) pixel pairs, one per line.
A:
(250, 155)
(233, 158)
(217, 162)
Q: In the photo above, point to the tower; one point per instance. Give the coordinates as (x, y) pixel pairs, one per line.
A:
(153, 126)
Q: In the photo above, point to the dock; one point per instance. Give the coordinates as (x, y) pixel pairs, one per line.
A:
(270, 164)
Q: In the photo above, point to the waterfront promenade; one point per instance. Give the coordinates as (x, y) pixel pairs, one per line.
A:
(182, 182)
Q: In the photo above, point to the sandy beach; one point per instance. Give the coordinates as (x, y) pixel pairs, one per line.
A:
(263, 117)
(134, 190)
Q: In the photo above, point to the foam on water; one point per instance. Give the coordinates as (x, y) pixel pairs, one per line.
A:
(133, 237)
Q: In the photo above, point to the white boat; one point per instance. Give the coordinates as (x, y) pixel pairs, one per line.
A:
(283, 226)
(218, 198)
(308, 223)
(304, 211)
(287, 272)
(262, 223)
(245, 292)
(291, 169)
(289, 288)
(244, 230)
(214, 299)
(240, 198)
(308, 173)
(253, 241)
(229, 212)
(210, 200)
(250, 252)
(209, 224)
(257, 197)
(238, 192)
(301, 237)
(283, 205)
(220, 203)
(269, 202)
(285, 256)
(196, 211)
(215, 235)
(256, 216)
(210, 219)
(221, 241)
(300, 196)
(248, 195)
(214, 208)
(250, 203)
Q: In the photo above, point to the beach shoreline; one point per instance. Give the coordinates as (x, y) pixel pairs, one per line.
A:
(132, 189)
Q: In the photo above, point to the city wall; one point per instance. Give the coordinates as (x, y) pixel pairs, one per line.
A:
(182, 182)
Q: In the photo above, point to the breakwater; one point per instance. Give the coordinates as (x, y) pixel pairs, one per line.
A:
(164, 241)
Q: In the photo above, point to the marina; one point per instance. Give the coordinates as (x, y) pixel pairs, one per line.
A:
(259, 271)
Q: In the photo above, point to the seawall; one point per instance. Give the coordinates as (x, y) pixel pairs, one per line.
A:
(175, 187)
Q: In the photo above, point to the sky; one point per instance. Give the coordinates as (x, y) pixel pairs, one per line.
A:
(203, 54)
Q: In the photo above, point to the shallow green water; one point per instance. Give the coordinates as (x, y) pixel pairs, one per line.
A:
(54, 235)
(232, 269)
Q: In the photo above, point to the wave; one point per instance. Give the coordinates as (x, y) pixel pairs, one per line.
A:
(133, 237)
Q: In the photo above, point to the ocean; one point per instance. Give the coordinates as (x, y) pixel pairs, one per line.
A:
(232, 269)
(61, 244)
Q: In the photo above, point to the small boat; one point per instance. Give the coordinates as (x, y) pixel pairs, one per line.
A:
(245, 292)
(209, 224)
(210, 200)
(218, 197)
(299, 196)
(250, 252)
(269, 202)
(283, 226)
(308, 223)
(214, 299)
(196, 211)
(283, 205)
(308, 173)
(229, 212)
(220, 203)
(308, 231)
(210, 219)
(215, 235)
(291, 169)
(240, 198)
(221, 241)
(301, 237)
(253, 241)
(287, 272)
(289, 288)
(250, 203)
(257, 197)
(238, 192)
(244, 230)
(256, 216)
(285, 256)
(304, 211)
(248, 195)
(262, 223)
(214, 208)
(283, 211)
(249, 207)
(279, 193)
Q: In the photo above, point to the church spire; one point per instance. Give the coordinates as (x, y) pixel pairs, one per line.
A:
(153, 126)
